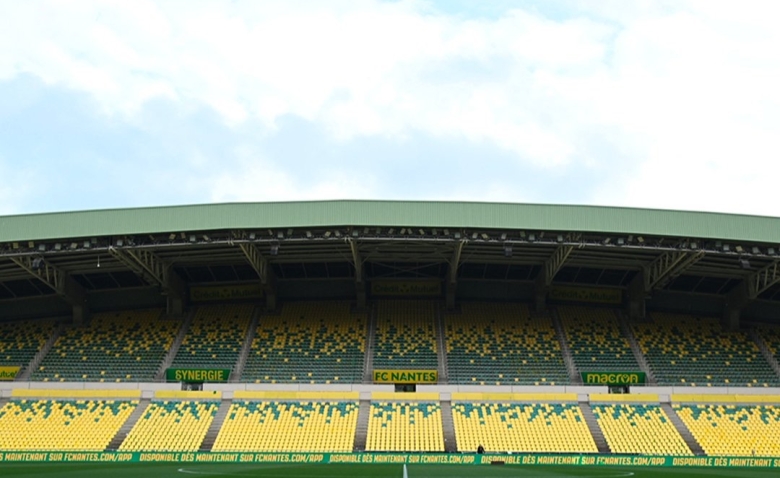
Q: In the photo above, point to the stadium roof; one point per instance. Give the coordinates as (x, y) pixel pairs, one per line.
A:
(616, 220)
(692, 252)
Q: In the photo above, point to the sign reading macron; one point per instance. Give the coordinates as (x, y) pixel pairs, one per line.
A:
(406, 376)
(8, 373)
(197, 375)
(613, 378)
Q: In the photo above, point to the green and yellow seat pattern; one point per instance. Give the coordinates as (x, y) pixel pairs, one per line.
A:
(83, 425)
(309, 342)
(695, 351)
(20, 341)
(595, 339)
(115, 347)
(733, 430)
(283, 426)
(171, 426)
(501, 344)
(639, 429)
(405, 426)
(215, 337)
(405, 335)
(522, 427)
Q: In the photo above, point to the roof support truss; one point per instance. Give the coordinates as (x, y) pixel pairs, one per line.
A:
(150, 268)
(59, 280)
(256, 260)
(455, 261)
(554, 263)
(763, 279)
(667, 266)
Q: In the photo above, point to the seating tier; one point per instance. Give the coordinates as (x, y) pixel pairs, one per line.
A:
(124, 346)
(83, 425)
(501, 344)
(289, 426)
(405, 335)
(309, 342)
(522, 427)
(171, 426)
(405, 426)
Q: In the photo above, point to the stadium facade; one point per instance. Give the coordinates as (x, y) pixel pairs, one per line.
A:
(335, 327)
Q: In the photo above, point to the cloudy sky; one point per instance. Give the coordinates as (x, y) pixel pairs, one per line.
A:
(123, 103)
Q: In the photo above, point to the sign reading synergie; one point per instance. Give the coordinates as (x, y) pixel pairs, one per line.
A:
(406, 376)
(613, 378)
(197, 375)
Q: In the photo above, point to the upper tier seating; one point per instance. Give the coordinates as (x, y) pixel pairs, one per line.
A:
(405, 336)
(215, 337)
(289, 427)
(20, 341)
(522, 427)
(687, 350)
(83, 425)
(171, 426)
(639, 429)
(501, 344)
(114, 347)
(405, 426)
(733, 430)
(310, 342)
(771, 337)
(595, 340)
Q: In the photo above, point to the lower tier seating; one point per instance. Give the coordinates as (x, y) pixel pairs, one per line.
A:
(734, 430)
(522, 427)
(639, 429)
(289, 427)
(406, 426)
(171, 426)
(82, 425)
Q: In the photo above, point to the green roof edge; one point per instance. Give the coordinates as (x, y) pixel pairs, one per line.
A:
(376, 213)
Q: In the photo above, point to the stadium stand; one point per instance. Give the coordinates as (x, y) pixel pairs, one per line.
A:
(309, 342)
(771, 337)
(114, 347)
(20, 341)
(733, 430)
(320, 426)
(639, 429)
(84, 425)
(696, 351)
(405, 426)
(171, 426)
(215, 337)
(522, 427)
(405, 336)
(595, 339)
(501, 344)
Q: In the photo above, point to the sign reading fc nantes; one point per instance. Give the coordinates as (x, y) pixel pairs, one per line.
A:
(613, 378)
(406, 376)
(197, 375)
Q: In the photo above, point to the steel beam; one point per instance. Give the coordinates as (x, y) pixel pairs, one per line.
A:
(57, 279)
(763, 279)
(357, 260)
(455, 261)
(667, 266)
(150, 268)
(256, 260)
(554, 263)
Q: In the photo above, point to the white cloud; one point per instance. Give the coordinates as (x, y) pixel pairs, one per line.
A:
(685, 91)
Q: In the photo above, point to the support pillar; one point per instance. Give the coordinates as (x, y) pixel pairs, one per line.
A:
(637, 306)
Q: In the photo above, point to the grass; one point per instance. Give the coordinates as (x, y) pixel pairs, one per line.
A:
(179, 470)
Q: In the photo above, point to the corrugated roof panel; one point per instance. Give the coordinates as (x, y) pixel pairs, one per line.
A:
(313, 214)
